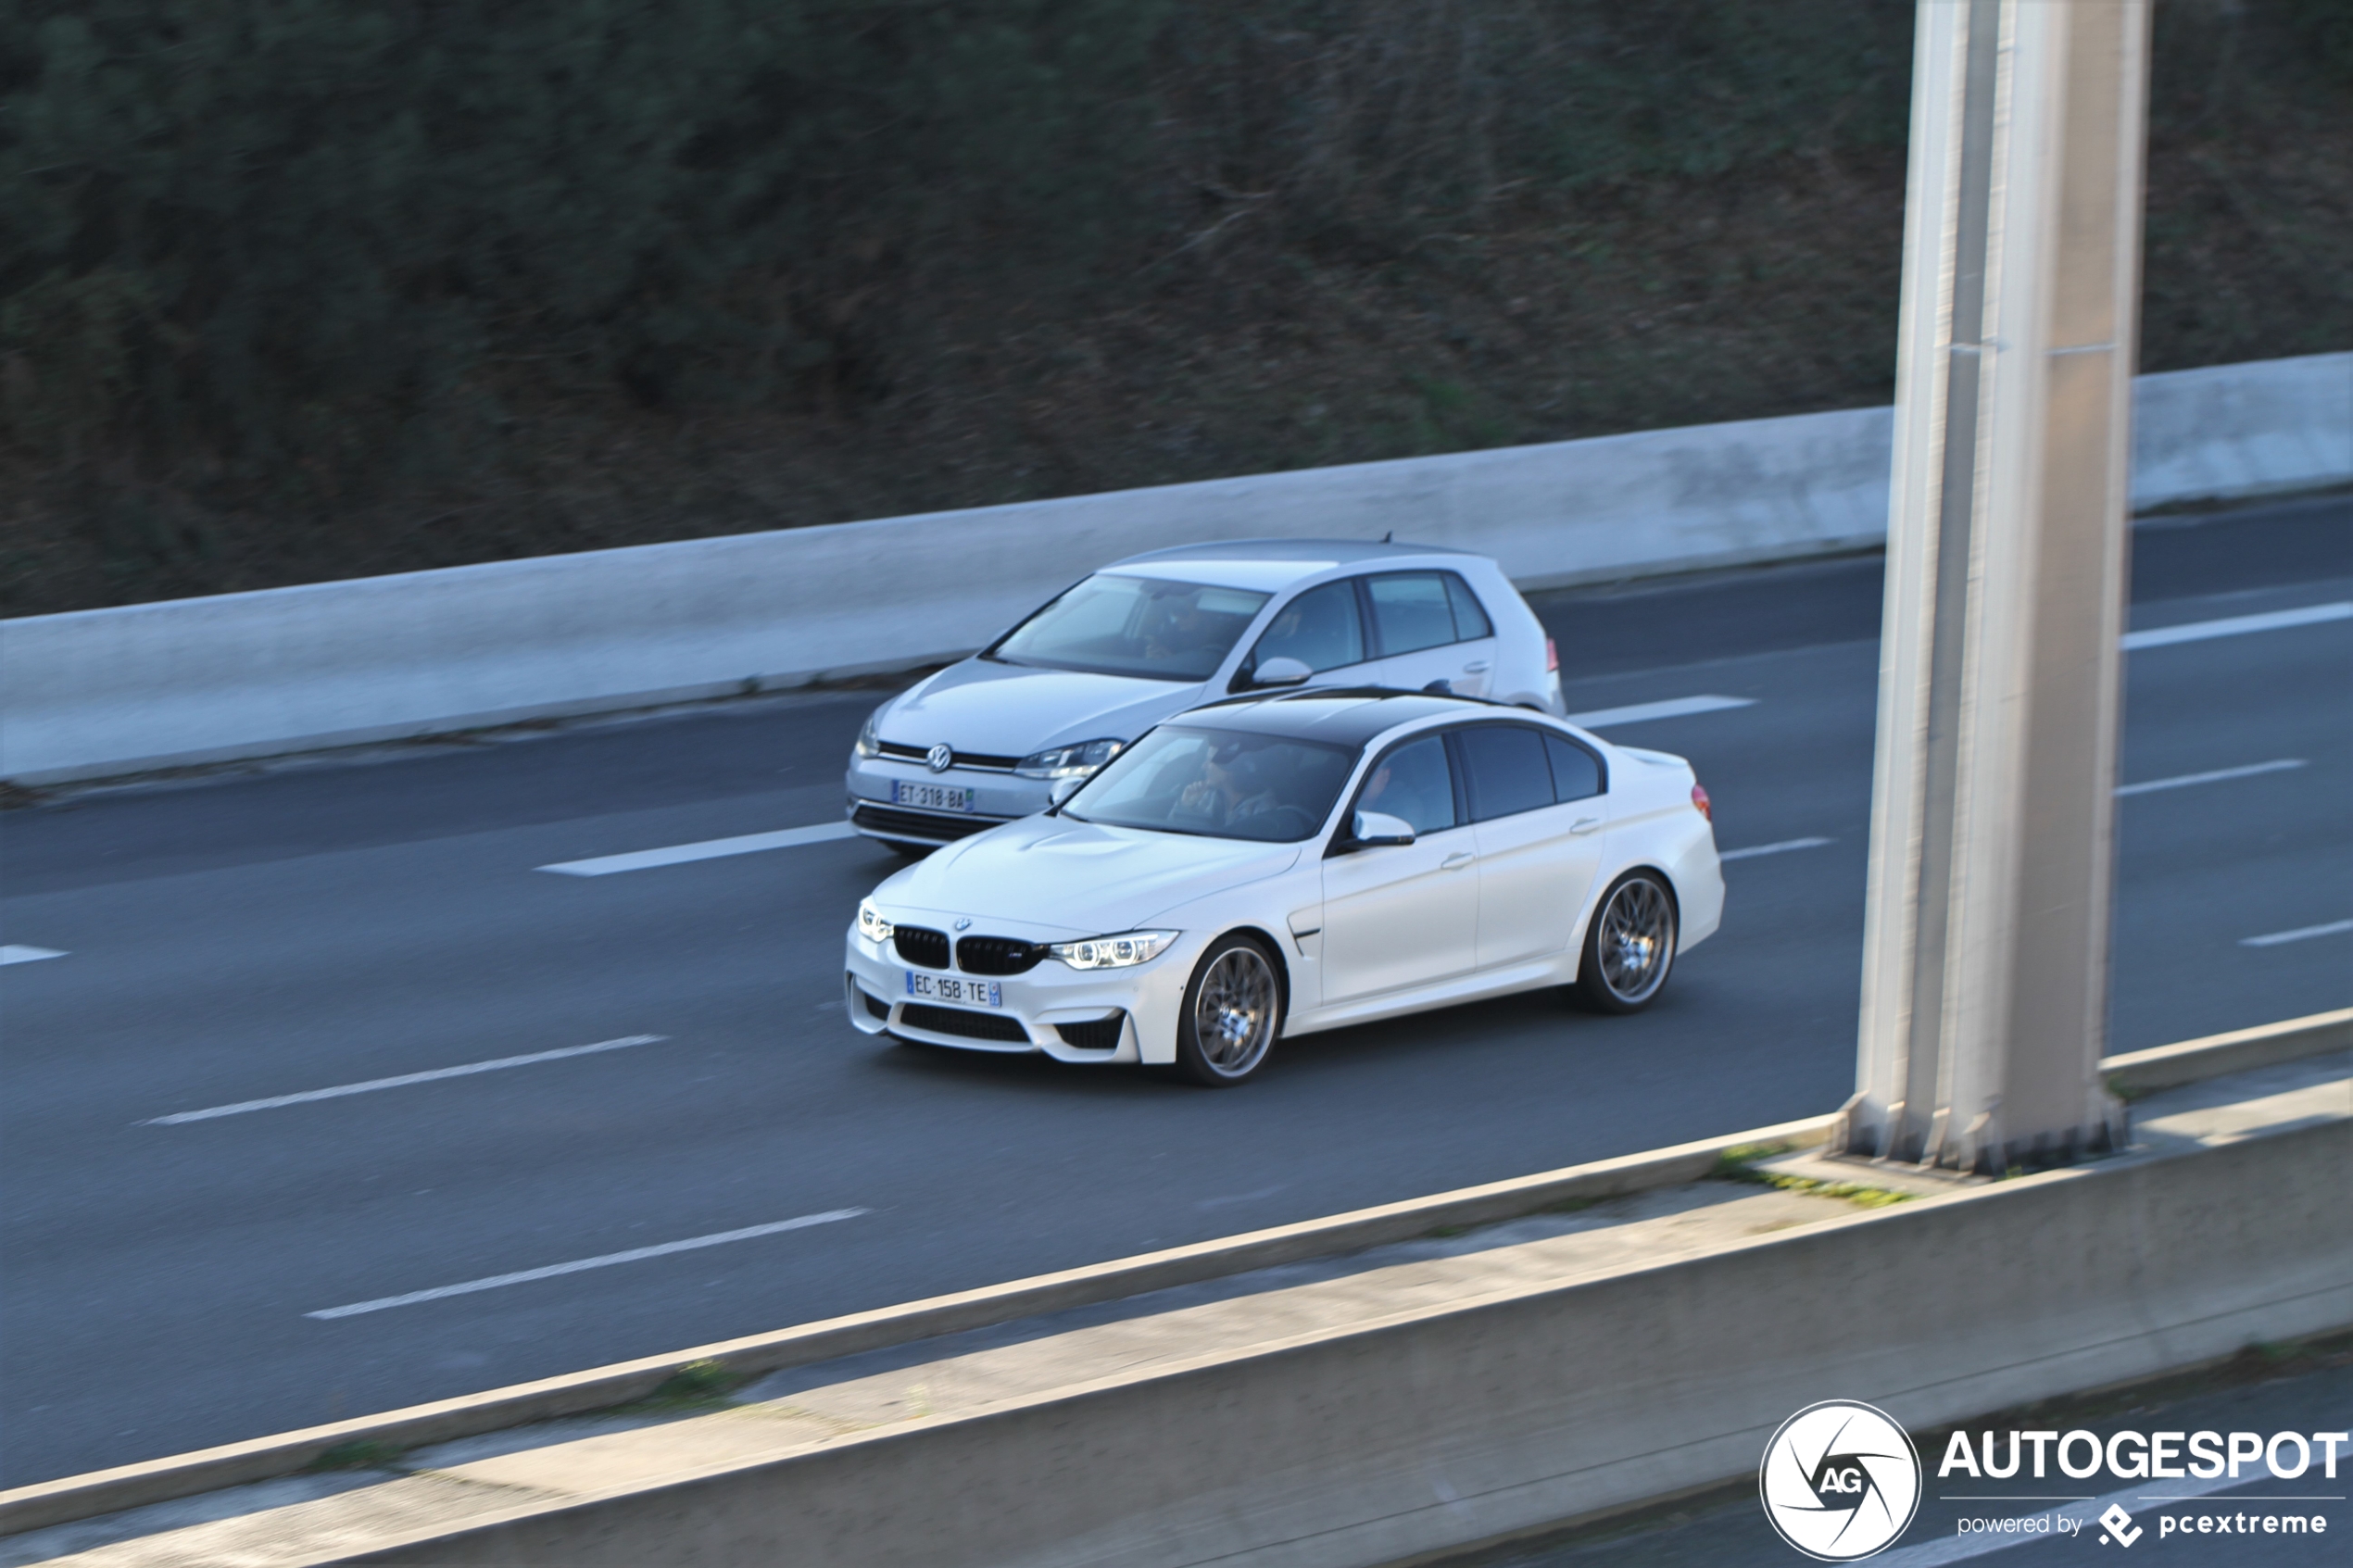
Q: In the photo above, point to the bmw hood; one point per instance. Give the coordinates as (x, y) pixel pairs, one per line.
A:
(1012, 710)
(1075, 878)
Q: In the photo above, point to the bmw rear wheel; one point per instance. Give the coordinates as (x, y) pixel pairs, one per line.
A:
(1630, 946)
(1233, 1011)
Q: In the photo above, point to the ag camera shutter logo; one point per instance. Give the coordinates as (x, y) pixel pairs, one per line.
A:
(1840, 1481)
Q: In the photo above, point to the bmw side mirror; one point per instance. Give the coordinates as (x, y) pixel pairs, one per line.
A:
(1063, 789)
(1374, 829)
(1280, 672)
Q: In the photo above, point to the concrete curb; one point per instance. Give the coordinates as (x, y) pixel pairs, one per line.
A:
(2165, 1066)
(108, 1491)
(109, 693)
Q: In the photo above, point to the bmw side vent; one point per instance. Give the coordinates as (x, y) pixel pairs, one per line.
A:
(997, 955)
(1095, 1035)
(876, 1006)
(921, 947)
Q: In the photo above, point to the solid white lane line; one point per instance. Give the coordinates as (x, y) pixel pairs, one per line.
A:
(2236, 626)
(405, 1079)
(2302, 933)
(709, 849)
(1783, 847)
(2279, 765)
(13, 953)
(1674, 708)
(524, 1276)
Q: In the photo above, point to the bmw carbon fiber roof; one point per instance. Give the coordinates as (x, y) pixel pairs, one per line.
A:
(1342, 715)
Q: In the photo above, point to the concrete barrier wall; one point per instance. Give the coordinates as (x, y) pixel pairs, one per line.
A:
(104, 692)
(1438, 1428)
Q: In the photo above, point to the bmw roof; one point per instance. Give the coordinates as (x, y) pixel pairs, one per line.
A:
(1342, 715)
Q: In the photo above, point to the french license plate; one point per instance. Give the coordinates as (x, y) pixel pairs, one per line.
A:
(930, 797)
(970, 993)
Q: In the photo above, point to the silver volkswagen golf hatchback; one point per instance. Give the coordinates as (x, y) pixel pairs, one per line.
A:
(989, 738)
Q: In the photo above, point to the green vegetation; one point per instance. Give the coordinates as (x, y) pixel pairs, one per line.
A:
(697, 1386)
(293, 289)
(1739, 1164)
(361, 1454)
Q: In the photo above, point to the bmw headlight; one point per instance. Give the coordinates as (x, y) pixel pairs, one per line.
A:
(1113, 952)
(869, 744)
(871, 925)
(1069, 761)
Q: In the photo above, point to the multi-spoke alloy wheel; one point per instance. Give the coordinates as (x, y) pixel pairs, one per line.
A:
(1233, 1010)
(1631, 945)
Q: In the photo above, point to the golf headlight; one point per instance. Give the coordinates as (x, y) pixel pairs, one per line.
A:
(869, 744)
(1113, 952)
(1069, 761)
(871, 925)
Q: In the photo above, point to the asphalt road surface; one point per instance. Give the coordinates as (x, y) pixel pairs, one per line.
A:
(278, 932)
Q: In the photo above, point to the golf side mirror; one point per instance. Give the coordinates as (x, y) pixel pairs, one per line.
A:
(1373, 830)
(1063, 789)
(1280, 672)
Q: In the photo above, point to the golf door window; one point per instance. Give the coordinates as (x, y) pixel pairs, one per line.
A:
(1320, 629)
(1413, 610)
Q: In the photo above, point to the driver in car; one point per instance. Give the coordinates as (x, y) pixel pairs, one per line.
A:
(1229, 788)
(1185, 633)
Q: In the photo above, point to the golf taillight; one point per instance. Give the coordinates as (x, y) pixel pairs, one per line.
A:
(1552, 654)
(1699, 798)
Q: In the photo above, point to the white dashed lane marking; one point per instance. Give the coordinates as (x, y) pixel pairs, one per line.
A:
(496, 1064)
(709, 849)
(636, 1254)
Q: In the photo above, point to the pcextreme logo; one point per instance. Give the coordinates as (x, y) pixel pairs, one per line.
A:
(1840, 1481)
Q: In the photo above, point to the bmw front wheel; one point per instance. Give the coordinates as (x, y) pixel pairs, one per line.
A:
(1630, 946)
(1233, 1011)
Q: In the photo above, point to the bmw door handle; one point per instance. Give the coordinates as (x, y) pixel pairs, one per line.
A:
(1479, 667)
(1457, 860)
(1584, 824)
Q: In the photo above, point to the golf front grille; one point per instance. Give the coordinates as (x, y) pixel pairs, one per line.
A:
(918, 826)
(956, 1020)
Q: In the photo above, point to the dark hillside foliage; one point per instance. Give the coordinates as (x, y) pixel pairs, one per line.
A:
(300, 289)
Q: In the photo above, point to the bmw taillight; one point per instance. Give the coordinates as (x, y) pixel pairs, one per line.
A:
(1699, 798)
(1552, 654)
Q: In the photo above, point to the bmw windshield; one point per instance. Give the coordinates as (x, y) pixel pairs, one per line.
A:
(1216, 784)
(1111, 625)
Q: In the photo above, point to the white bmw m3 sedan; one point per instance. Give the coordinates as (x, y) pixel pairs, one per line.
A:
(1275, 865)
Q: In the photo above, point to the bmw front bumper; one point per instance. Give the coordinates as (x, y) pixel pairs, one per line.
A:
(1109, 1015)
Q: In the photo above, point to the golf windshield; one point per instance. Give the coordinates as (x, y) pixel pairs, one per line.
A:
(1110, 626)
(1218, 783)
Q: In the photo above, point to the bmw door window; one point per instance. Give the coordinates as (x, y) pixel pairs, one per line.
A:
(1577, 772)
(1320, 629)
(1414, 782)
(1218, 785)
(1506, 770)
(1113, 625)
